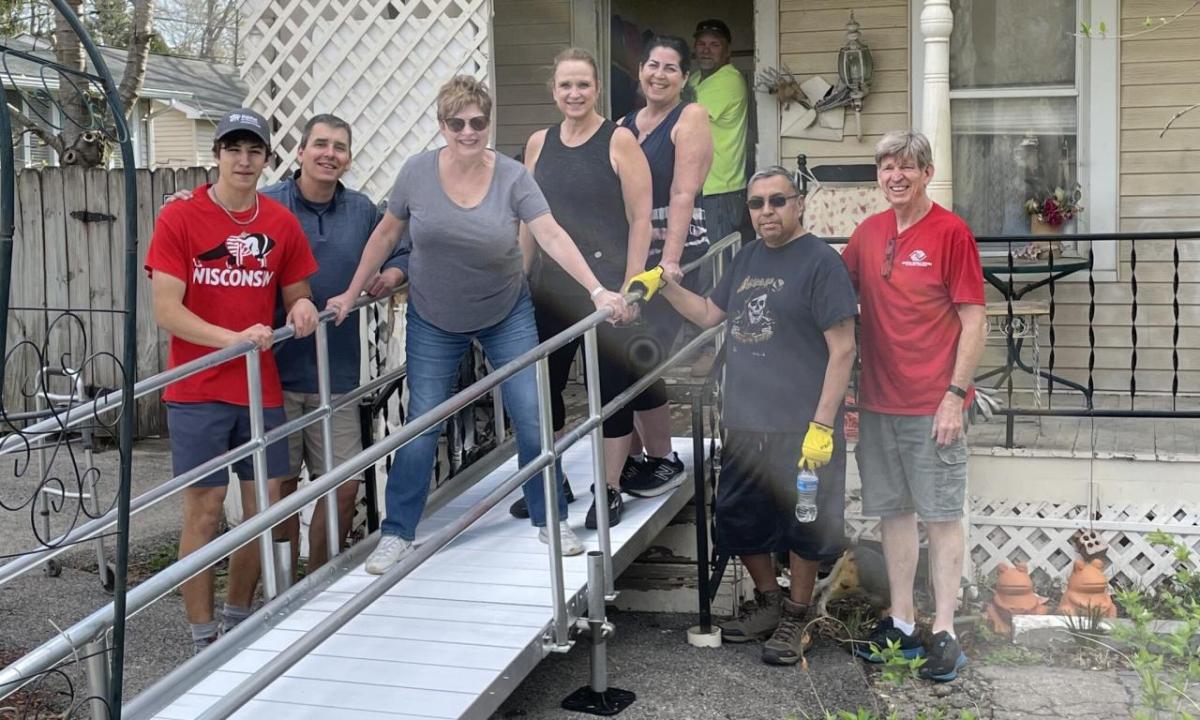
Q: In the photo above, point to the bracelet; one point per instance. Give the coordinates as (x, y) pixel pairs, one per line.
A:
(596, 291)
(956, 390)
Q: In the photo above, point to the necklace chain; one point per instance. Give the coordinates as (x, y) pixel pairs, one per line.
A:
(228, 212)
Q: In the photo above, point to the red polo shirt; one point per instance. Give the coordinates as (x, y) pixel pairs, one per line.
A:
(910, 324)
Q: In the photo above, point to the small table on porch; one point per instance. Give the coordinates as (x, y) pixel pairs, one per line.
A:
(1014, 282)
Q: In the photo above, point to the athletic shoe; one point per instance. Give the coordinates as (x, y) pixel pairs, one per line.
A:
(615, 506)
(944, 659)
(884, 634)
(571, 544)
(655, 477)
(391, 550)
(630, 470)
(757, 619)
(520, 510)
(790, 641)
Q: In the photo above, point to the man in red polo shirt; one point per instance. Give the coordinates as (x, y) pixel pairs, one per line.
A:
(218, 263)
(920, 285)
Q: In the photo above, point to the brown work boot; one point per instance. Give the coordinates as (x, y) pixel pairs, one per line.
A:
(790, 640)
(757, 619)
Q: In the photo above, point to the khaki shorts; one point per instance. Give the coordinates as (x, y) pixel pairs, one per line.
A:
(307, 447)
(904, 470)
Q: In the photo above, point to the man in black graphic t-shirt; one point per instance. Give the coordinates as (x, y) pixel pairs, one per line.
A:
(789, 310)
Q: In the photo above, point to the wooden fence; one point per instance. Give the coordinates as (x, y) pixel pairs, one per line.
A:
(68, 255)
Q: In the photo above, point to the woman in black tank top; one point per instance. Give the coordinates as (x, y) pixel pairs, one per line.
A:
(597, 182)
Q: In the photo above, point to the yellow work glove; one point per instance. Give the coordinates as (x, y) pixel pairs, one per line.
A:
(818, 446)
(648, 282)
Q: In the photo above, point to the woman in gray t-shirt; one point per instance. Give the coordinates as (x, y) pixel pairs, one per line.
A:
(463, 205)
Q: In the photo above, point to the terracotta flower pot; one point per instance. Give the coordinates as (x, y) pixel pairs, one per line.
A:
(1037, 226)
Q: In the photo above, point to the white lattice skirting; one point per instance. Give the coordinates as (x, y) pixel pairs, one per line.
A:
(1039, 533)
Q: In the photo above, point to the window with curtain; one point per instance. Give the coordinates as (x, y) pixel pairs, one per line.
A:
(1014, 107)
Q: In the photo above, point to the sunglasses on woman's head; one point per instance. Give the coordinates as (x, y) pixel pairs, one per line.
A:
(479, 123)
(776, 201)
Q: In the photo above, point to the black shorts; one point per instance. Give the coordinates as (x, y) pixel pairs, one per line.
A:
(756, 498)
(659, 319)
(557, 308)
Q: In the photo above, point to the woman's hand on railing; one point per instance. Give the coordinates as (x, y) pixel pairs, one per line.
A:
(340, 305)
(609, 299)
(259, 334)
(672, 272)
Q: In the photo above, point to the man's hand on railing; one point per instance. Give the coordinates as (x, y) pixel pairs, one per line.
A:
(648, 282)
(303, 317)
(259, 334)
(385, 282)
(672, 272)
(608, 298)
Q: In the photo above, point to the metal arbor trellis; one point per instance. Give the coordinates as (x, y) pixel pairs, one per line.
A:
(106, 117)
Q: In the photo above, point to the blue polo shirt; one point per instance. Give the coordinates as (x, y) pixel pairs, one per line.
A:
(337, 232)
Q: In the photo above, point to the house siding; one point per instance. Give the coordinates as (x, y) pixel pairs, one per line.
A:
(810, 34)
(174, 139)
(527, 34)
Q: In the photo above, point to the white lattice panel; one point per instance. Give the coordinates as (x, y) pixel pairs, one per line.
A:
(376, 63)
(1039, 533)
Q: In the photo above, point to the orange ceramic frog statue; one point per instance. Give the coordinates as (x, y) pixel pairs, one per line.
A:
(1087, 591)
(1014, 596)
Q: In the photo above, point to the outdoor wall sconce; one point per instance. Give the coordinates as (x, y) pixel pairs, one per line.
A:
(855, 68)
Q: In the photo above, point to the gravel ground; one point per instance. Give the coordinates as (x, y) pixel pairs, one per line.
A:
(672, 679)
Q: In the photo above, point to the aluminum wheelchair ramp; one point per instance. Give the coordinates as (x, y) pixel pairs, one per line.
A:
(455, 637)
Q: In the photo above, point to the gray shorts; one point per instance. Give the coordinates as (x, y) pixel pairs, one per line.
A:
(904, 470)
(307, 447)
(202, 431)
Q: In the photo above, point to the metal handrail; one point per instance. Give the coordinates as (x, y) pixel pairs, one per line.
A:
(77, 415)
(66, 642)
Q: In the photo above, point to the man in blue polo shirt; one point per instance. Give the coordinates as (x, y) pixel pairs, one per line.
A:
(337, 222)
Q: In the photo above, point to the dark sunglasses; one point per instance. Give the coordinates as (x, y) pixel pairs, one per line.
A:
(889, 254)
(479, 123)
(777, 201)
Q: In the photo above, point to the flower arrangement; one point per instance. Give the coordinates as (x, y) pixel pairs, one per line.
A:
(1056, 207)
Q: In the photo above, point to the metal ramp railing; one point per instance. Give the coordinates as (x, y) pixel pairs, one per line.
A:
(91, 632)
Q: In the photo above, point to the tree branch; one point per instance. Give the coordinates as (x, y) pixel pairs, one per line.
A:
(29, 126)
(138, 52)
(1175, 117)
(1163, 22)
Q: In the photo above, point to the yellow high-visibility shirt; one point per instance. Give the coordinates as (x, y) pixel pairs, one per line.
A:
(723, 94)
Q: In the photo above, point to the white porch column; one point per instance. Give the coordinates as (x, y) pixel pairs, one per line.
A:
(936, 23)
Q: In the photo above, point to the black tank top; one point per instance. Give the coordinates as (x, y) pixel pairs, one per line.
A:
(585, 197)
(660, 154)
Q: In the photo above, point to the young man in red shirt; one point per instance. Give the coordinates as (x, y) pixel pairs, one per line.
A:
(217, 263)
(920, 285)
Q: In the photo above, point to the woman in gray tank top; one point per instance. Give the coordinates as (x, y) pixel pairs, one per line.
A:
(597, 182)
(463, 205)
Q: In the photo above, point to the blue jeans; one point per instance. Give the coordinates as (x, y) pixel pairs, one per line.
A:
(433, 357)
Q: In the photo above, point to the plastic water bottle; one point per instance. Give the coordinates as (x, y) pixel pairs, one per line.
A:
(806, 495)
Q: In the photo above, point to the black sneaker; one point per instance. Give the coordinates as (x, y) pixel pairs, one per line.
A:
(520, 510)
(885, 633)
(655, 477)
(615, 506)
(630, 471)
(944, 659)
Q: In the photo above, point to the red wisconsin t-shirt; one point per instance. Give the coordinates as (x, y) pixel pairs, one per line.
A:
(910, 325)
(233, 275)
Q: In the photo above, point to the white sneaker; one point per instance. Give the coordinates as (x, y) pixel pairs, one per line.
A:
(391, 550)
(570, 542)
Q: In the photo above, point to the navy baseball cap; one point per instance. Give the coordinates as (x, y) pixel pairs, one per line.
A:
(244, 119)
(715, 26)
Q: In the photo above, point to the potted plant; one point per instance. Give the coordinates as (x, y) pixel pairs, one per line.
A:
(1048, 211)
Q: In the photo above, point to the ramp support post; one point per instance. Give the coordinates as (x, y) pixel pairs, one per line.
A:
(598, 698)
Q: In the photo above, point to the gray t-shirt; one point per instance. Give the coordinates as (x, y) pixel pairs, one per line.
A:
(465, 269)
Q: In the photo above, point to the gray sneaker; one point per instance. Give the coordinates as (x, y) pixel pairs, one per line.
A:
(757, 619)
(790, 641)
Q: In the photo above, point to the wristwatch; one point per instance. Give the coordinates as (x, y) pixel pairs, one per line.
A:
(957, 391)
